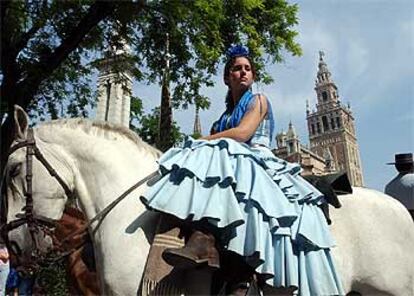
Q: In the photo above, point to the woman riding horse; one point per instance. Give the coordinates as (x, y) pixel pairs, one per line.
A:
(239, 198)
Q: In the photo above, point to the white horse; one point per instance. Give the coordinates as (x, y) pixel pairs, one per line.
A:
(374, 250)
(98, 162)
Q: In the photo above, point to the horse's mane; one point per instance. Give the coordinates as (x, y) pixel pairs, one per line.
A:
(103, 129)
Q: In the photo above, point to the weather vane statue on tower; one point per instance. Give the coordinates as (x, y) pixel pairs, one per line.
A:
(321, 55)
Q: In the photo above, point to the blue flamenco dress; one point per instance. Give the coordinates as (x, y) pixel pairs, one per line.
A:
(265, 210)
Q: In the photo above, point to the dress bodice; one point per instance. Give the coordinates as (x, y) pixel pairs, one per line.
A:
(262, 136)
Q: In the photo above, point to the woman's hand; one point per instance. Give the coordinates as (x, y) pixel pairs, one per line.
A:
(248, 125)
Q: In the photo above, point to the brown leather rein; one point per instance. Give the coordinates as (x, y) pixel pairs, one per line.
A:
(34, 222)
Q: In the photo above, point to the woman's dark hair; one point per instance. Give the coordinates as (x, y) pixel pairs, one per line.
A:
(227, 68)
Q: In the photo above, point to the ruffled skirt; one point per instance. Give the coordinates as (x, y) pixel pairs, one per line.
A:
(265, 209)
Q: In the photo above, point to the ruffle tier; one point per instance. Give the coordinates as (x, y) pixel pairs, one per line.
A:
(260, 202)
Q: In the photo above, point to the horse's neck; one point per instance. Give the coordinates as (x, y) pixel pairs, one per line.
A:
(104, 168)
(101, 170)
(110, 173)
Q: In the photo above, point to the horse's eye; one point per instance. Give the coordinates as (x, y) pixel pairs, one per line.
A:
(15, 170)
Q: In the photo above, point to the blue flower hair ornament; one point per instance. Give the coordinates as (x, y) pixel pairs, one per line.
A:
(237, 51)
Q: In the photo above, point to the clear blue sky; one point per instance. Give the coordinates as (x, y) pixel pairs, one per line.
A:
(369, 49)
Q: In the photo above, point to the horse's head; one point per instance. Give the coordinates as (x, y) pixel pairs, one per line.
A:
(33, 198)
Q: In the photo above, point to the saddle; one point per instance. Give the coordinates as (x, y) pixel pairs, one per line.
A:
(330, 186)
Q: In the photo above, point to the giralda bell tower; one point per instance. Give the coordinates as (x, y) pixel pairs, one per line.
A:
(331, 127)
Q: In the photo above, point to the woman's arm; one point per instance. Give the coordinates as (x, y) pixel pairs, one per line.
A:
(248, 125)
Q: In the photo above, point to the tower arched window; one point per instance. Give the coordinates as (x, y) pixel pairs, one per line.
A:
(338, 122)
(291, 148)
(332, 123)
(325, 123)
(324, 96)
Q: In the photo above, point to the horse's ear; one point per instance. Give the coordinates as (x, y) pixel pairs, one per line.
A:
(21, 123)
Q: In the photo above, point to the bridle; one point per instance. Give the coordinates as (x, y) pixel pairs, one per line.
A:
(36, 223)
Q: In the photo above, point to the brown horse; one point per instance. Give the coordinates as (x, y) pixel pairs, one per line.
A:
(80, 264)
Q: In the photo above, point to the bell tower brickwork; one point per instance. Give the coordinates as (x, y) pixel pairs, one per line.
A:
(331, 127)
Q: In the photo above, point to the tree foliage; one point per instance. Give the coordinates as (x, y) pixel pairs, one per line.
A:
(146, 126)
(201, 30)
(47, 47)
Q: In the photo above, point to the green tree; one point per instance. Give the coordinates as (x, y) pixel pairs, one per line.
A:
(46, 47)
(147, 128)
(196, 135)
